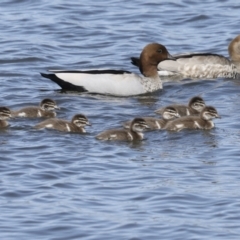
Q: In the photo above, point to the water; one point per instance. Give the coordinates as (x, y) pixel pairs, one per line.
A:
(68, 186)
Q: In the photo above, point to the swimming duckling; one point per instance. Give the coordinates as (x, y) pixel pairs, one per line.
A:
(203, 121)
(194, 107)
(46, 109)
(132, 134)
(5, 114)
(79, 121)
(169, 113)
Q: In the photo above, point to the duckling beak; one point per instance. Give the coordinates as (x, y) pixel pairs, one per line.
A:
(57, 107)
(146, 126)
(157, 111)
(88, 124)
(170, 57)
(218, 116)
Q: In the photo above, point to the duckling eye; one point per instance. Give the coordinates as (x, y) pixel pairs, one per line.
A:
(159, 50)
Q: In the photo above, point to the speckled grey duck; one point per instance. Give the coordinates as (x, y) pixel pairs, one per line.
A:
(46, 110)
(5, 114)
(202, 65)
(133, 134)
(169, 113)
(194, 107)
(203, 121)
(77, 124)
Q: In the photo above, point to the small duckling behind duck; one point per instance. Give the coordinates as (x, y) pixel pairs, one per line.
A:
(204, 121)
(79, 121)
(46, 109)
(5, 114)
(169, 113)
(132, 134)
(194, 107)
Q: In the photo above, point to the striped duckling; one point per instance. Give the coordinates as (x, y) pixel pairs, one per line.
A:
(5, 114)
(203, 121)
(169, 113)
(138, 125)
(194, 107)
(77, 124)
(46, 109)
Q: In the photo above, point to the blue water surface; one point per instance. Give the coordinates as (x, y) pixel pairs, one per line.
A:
(56, 185)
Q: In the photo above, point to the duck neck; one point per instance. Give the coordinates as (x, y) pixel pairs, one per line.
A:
(137, 135)
(3, 123)
(149, 70)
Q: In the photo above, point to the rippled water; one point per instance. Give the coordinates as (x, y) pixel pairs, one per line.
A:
(68, 186)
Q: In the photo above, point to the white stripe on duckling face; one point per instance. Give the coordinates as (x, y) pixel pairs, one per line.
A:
(49, 125)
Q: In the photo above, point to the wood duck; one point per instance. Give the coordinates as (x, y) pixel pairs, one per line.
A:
(116, 82)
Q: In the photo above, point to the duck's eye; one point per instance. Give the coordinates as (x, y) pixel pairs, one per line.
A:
(159, 50)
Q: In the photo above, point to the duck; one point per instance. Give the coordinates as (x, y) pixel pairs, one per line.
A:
(194, 107)
(5, 114)
(203, 121)
(77, 124)
(202, 65)
(169, 113)
(116, 82)
(45, 110)
(138, 125)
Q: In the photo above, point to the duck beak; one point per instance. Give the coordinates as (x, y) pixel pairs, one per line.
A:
(218, 116)
(170, 57)
(57, 107)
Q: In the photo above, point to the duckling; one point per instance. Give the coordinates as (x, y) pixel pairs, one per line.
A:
(203, 121)
(79, 121)
(46, 109)
(169, 113)
(132, 134)
(194, 107)
(5, 114)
